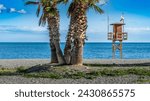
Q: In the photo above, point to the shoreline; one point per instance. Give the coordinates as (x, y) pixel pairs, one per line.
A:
(12, 63)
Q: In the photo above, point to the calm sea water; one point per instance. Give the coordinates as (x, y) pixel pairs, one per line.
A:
(91, 50)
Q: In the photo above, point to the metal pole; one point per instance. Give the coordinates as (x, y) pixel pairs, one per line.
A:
(123, 32)
(108, 23)
(120, 49)
(123, 21)
(113, 49)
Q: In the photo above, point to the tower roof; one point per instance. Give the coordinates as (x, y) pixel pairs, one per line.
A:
(118, 23)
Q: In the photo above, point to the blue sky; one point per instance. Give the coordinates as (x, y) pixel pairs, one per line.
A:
(18, 23)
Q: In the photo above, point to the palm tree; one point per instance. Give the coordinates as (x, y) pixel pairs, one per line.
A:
(78, 27)
(68, 45)
(50, 15)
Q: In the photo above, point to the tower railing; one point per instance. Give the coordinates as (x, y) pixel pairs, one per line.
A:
(119, 36)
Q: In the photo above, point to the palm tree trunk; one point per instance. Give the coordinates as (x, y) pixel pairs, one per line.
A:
(53, 53)
(77, 53)
(68, 45)
(53, 24)
(79, 36)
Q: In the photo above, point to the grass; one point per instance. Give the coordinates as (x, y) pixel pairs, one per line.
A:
(21, 69)
(5, 71)
(125, 71)
(143, 81)
(43, 75)
(65, 72)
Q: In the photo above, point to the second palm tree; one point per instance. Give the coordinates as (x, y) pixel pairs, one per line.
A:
(50, 14)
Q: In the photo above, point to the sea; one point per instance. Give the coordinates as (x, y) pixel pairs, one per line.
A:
(91, 50)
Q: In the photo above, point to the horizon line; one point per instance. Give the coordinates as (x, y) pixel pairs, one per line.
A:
(65, 42)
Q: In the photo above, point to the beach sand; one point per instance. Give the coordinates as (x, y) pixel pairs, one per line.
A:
(12, 63)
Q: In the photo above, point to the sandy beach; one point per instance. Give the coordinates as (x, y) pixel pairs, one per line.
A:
(12, 63)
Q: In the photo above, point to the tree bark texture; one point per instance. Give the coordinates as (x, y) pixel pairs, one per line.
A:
(80, 34)
(68, 45)
(53, 26)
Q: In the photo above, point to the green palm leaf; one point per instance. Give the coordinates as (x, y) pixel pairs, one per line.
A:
(38, 10)
(71, 9)
(97, 9)
(31, 3)
(62, 1)
(48, 8)
(42, 20)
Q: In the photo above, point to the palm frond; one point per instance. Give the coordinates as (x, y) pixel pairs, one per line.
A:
(38, 10)
(71, 9)
(53, 12)
(62, 1)
(42, 20)
(31, 3)
(96, 8)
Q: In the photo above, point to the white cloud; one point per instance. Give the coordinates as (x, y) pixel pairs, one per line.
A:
(12, 10)
(102, 2)
(22, 11)
(2, 7)
(29, 28)
(138, 29)
(7, 28)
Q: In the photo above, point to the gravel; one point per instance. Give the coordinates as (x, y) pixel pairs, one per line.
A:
(127, 79)
(12, 63)
(117, 61)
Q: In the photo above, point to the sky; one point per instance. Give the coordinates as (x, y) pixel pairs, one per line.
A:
(18, 22)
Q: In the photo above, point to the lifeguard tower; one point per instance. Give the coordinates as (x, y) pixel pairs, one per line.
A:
(117, 36)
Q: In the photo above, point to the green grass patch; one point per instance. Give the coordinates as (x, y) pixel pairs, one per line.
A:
(143, 81)
(139, 71)
(100, 65)
(93, 73)
(6, 71)
(21, 69)
(43, 75)
(60, 72)
(112, 72)
(74, 75)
